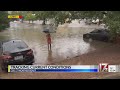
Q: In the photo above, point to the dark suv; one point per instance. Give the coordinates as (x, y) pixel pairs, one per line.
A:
(15, 52)
(98, 34)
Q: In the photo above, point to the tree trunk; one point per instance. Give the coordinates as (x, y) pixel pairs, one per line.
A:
(21, 20)
(44, 22)
(29, 21)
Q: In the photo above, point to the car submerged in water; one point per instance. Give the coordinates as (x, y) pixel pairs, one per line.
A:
(98, 34)
(15, 52)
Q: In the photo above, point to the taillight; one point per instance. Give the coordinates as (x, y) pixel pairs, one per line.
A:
(7, 57)
(30, 52)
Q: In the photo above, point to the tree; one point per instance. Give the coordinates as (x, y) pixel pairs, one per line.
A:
(4, 21)
(112, 17)
(112, 20)
(30, 17)
(44, 15)
(59, 16)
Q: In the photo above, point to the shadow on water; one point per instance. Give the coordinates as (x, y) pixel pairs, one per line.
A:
(50, 57)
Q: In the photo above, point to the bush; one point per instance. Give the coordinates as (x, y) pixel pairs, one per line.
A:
(3, 26)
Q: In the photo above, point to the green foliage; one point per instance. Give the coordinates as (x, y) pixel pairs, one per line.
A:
(4, 21)
(113, 21)
(30, 16)
(112, 17)
(59, 16)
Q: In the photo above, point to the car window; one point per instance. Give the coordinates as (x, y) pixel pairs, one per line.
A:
(95, 31)
(98, 31)
(10, 46)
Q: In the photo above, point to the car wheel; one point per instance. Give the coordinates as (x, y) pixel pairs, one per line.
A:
(4, 69)
(105, 39)
(2, 66)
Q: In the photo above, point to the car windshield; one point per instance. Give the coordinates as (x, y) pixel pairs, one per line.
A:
(95, 31)
(99, 30)
(13, 45)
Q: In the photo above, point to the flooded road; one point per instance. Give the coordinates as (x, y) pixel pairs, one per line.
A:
(68, 48)
(67, 42)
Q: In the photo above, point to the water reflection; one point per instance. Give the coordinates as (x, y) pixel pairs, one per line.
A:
(50, 57)
(69, 47)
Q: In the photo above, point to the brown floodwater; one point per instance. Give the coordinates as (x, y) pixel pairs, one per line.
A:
(67, 42)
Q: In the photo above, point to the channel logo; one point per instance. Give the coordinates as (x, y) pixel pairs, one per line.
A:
(103, 67)
(112, 68)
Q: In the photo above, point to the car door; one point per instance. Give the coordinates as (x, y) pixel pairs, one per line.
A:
(99, 35)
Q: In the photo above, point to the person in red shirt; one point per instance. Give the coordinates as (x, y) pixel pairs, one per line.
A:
(49, 40)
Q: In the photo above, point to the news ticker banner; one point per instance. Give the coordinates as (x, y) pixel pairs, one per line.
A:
(15, 16)
(64, 68)
(52, 68)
